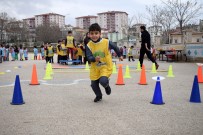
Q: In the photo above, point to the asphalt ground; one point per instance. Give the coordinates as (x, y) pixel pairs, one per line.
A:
(64, 105)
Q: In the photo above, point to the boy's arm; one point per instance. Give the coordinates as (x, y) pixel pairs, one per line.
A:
(89, 55)
(74, 43)
(116, 49)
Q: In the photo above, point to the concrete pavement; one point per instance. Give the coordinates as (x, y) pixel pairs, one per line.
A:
(64, 105)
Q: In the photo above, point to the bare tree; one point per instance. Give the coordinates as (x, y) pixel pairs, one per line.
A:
(48, 33)
(183, 11)
(3, 22)
(154, 16)
(167, 21)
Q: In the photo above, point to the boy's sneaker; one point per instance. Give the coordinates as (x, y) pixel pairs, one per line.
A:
(108, 90)
(98, 98)
(157, 66)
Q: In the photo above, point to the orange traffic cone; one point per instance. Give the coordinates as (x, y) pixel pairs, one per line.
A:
(34, 80)
(199, 74)
(143, 77)
(38, 57)
(120, 76)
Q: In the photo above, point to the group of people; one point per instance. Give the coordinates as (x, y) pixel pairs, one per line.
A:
(5, 50)
(67, 49)
(95, 50)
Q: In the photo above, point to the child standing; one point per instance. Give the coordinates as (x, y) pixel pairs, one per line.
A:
(12, 53)
(79, 53)
(70, 44)
(98, 54)
(35, 52)
(16, 52)
(130, 53)
(42, 51)
(25, 52)
(21, 53)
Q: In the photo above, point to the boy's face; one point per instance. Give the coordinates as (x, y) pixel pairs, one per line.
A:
(94, 35)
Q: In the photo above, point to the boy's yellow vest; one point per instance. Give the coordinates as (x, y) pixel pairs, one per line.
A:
(63, 52)
(50, 51)
(57, 50)
(130, 52)
(80, 53)
(105, 67)
(70, 42)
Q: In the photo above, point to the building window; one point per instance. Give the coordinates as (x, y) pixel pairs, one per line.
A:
(198, 40)
(176, 41)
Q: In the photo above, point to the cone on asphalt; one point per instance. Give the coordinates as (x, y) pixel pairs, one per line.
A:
(114, 68)
(157, 98)
(143, 80)
(17, 93)
(153, 68)
(199, 74)
(127, 72)
(38, 57)
(170, 72)
(138, 66)
(49, 68)
(195, 94)
(120, 76)
(87, 66)
(34, 79)
(47, 73)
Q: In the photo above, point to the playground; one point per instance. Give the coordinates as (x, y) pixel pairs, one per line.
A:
(58, 99)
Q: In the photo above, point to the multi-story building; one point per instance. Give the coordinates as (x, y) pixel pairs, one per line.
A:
(65, 29)
(134, 31)
(85, 21)
(51, 18)
(30, 22)
(154, 32)
(114, 21)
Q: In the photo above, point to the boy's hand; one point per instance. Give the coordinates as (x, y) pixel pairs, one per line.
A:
(121, 58)
(97, 58)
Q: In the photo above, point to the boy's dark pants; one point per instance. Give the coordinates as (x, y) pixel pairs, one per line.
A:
(148, 53)
(104, 81)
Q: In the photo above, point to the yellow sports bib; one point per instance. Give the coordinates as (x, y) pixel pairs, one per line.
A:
(69, 42)
(50, 51)
(104, 67)
(63, 50)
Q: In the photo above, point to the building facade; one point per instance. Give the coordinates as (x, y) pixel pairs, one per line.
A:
(114, 21)
(50, 18)
(85, 21)
(154, 32)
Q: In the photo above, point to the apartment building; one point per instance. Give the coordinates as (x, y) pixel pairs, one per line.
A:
(154, 31)
(114, 21)
(51, 18)
(85, 21)
(30, 22)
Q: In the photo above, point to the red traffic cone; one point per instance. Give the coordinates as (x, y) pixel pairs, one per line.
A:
(34, 80)
(120, 76)
(199, 74)
(143, 77)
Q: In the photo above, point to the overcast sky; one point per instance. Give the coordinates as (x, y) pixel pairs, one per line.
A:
(22, 9)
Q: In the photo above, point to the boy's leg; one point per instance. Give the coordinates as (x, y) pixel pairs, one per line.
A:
(149, 55)
(142, 53)
(97, 90)
(104, 81)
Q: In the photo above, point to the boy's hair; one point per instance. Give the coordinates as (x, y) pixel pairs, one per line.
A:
(143, 27)
(59, 41)
(69, 32)
(95, 27)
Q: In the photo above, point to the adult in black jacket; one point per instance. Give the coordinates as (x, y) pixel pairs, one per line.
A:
(145, 46)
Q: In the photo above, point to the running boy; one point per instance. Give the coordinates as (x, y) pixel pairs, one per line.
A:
(98, 54)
